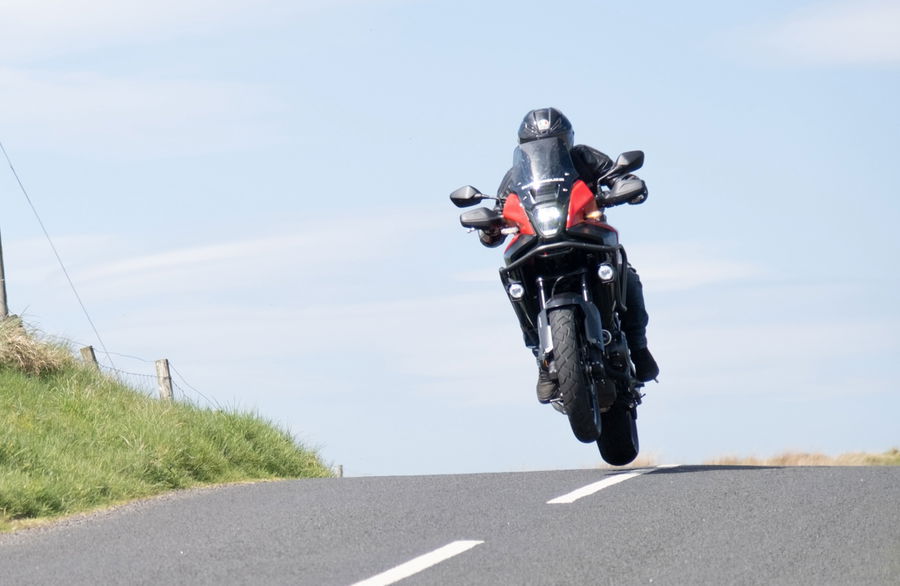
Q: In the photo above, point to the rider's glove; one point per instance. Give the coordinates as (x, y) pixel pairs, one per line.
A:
(638, 198)
(491, 238)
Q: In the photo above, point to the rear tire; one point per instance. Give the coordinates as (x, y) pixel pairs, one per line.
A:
(574, 384)
(619, 441)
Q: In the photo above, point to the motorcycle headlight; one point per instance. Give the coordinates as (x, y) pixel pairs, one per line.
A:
(547, 220)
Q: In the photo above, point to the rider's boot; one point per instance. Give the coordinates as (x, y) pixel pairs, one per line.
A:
(546, 387)
(645, 366)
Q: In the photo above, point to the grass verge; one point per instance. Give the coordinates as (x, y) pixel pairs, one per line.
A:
(71, 439)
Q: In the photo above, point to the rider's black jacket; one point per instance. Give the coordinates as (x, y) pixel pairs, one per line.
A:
(590, 164)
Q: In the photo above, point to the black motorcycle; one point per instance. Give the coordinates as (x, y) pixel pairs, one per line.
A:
(565, 277)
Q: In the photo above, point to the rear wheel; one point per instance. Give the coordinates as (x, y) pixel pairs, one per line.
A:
(571, 368)
(619, 441)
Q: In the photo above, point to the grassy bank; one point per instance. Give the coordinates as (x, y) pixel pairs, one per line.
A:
(72, 439)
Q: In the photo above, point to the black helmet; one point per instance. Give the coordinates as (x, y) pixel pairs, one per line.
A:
(546, 123)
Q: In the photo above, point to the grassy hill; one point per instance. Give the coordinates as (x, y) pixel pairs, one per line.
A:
(72, 439)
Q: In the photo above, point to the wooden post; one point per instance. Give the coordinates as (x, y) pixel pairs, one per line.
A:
(89, 357)
(4, 308)
(165, 379)
(340, 471)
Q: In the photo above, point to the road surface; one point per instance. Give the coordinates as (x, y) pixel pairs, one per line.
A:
(680, 525)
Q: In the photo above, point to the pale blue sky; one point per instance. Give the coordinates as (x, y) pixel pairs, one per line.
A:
(258, 191)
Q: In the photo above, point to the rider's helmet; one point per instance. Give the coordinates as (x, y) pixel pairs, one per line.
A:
(546, 123)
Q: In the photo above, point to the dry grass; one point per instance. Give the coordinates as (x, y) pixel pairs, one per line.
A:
(889, 458)
(24, 351)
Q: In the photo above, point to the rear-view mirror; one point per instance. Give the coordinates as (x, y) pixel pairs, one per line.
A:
(466, 196)
(629, 161)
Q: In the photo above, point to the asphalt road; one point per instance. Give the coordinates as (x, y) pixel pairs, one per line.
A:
(684, 525)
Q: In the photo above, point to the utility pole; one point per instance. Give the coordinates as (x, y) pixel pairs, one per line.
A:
(4, 309)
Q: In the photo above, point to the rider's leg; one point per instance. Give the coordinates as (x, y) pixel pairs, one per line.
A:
(634, 324)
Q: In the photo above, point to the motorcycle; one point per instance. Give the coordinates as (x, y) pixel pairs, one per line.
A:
(564, 275)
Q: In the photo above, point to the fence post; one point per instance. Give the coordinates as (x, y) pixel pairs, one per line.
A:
(4, 308)
(89, 357)
(165, 379)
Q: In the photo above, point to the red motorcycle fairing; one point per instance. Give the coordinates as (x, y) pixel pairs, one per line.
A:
(515, 215)
(582, 205)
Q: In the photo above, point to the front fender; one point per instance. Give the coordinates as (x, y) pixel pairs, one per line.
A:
(593, 323)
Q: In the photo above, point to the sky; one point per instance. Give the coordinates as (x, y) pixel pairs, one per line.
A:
(257, 191)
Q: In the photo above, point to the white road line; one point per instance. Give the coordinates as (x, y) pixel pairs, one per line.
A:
(590, 489)
(416, 565)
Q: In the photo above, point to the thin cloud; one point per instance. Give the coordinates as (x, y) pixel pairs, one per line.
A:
(837, 33)
(412, 338)
(47, 28)
(683, 265)
(669, 267)
(171, 116)
(43, 29)
(201, 255)
(263, 261)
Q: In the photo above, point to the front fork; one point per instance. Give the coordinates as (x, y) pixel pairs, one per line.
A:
(596, 338)
(607, 356)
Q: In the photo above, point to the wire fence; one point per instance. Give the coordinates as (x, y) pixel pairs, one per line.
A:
(152, 385)
(139, 381)
(142, 375)
(145, 383)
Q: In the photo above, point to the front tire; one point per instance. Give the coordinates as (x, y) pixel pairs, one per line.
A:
(574, 383)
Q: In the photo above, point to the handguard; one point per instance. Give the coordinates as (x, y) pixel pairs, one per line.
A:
(627, 190)
(481, 219)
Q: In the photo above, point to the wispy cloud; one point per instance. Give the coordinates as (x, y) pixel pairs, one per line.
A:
(106, 268)
(678, 266)
(76, 106)
(96, 111)
(464, 342)
(43, 29)
(835, 33)
(202, 255)
(46, 28)
(665, 267)
(684, 265)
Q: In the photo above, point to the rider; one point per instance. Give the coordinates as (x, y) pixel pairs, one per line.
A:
(590, 164)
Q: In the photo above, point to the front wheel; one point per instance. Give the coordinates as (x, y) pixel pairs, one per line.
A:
(571, 367)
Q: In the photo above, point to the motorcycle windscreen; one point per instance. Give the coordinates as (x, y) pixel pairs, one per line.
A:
(543, 171)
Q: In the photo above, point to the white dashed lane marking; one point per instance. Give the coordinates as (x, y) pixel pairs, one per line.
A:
(590, 489)
(416, 565)
(425, 561)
